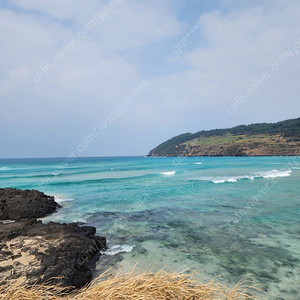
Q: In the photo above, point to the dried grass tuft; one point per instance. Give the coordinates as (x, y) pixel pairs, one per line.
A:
(159, 286)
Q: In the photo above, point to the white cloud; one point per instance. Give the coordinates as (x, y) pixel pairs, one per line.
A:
(91, 79)
(230, 51)
(237, 47)
(137, 24)
(60, 10)
(123, 25)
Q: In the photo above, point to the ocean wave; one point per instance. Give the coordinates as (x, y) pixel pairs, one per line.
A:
(275, 174)
(198, 163)
(118, 249)
(266, 174)
(83, 221)
(4, 168)
(229, 179)
(232, 179)
(99, 180)
(59, 199)
(170, 173)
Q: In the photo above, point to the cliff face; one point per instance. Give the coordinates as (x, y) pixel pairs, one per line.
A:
(281, 138)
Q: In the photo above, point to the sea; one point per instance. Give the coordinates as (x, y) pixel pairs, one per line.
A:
(228, 218)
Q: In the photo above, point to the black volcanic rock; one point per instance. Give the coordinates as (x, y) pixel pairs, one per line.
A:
(18, 204)
(60, 254)
(63, 254)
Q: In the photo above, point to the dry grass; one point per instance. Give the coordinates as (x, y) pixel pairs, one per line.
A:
(159, 286)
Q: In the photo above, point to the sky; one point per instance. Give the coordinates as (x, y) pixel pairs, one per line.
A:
(118, 77)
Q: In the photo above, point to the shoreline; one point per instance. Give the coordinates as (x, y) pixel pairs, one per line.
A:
(267, 155)
(34, 255)
(198, 247)
(61, 254)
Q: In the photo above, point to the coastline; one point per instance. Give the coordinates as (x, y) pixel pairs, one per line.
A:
(145, 202)
(60, 254)
(34, 255)
(265, 155)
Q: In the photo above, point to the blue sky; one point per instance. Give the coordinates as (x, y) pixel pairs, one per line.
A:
(207, 64)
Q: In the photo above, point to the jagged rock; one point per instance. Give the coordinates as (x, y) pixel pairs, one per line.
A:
(18, 204)
(43, 251)
(63, 254)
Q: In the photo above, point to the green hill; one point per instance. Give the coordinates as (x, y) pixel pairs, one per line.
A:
(282, 138)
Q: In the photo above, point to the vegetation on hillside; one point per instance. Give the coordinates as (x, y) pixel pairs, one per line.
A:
(289, 129)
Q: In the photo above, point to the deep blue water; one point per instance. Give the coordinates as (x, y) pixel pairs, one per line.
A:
(238, 217)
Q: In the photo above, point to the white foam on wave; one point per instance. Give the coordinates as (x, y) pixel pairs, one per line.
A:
(79, 221)
(4, 168)
(232, 179)
(275, 174)
(59, 199)
(170, 173)
(118, 249)
(198, 163)
(225, 180)
(266, 174)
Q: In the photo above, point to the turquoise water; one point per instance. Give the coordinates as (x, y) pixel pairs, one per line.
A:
(230, 216)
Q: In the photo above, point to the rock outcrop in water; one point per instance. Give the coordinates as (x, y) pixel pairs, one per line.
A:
(63, 254)
(18, 204)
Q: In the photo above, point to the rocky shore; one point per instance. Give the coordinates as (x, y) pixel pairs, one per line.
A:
(63, 254)
(25, 204)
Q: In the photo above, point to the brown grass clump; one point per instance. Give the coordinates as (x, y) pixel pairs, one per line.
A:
(19, 290)
(159, 286)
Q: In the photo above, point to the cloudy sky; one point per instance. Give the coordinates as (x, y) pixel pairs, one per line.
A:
(69, 67)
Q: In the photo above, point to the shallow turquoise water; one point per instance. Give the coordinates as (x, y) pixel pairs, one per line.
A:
(231, 216)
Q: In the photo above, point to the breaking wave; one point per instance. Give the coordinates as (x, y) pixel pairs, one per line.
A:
(276, 173)
(60, 199)
(4, 168)
(170, 173)
(267, 175)
(118, 249)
